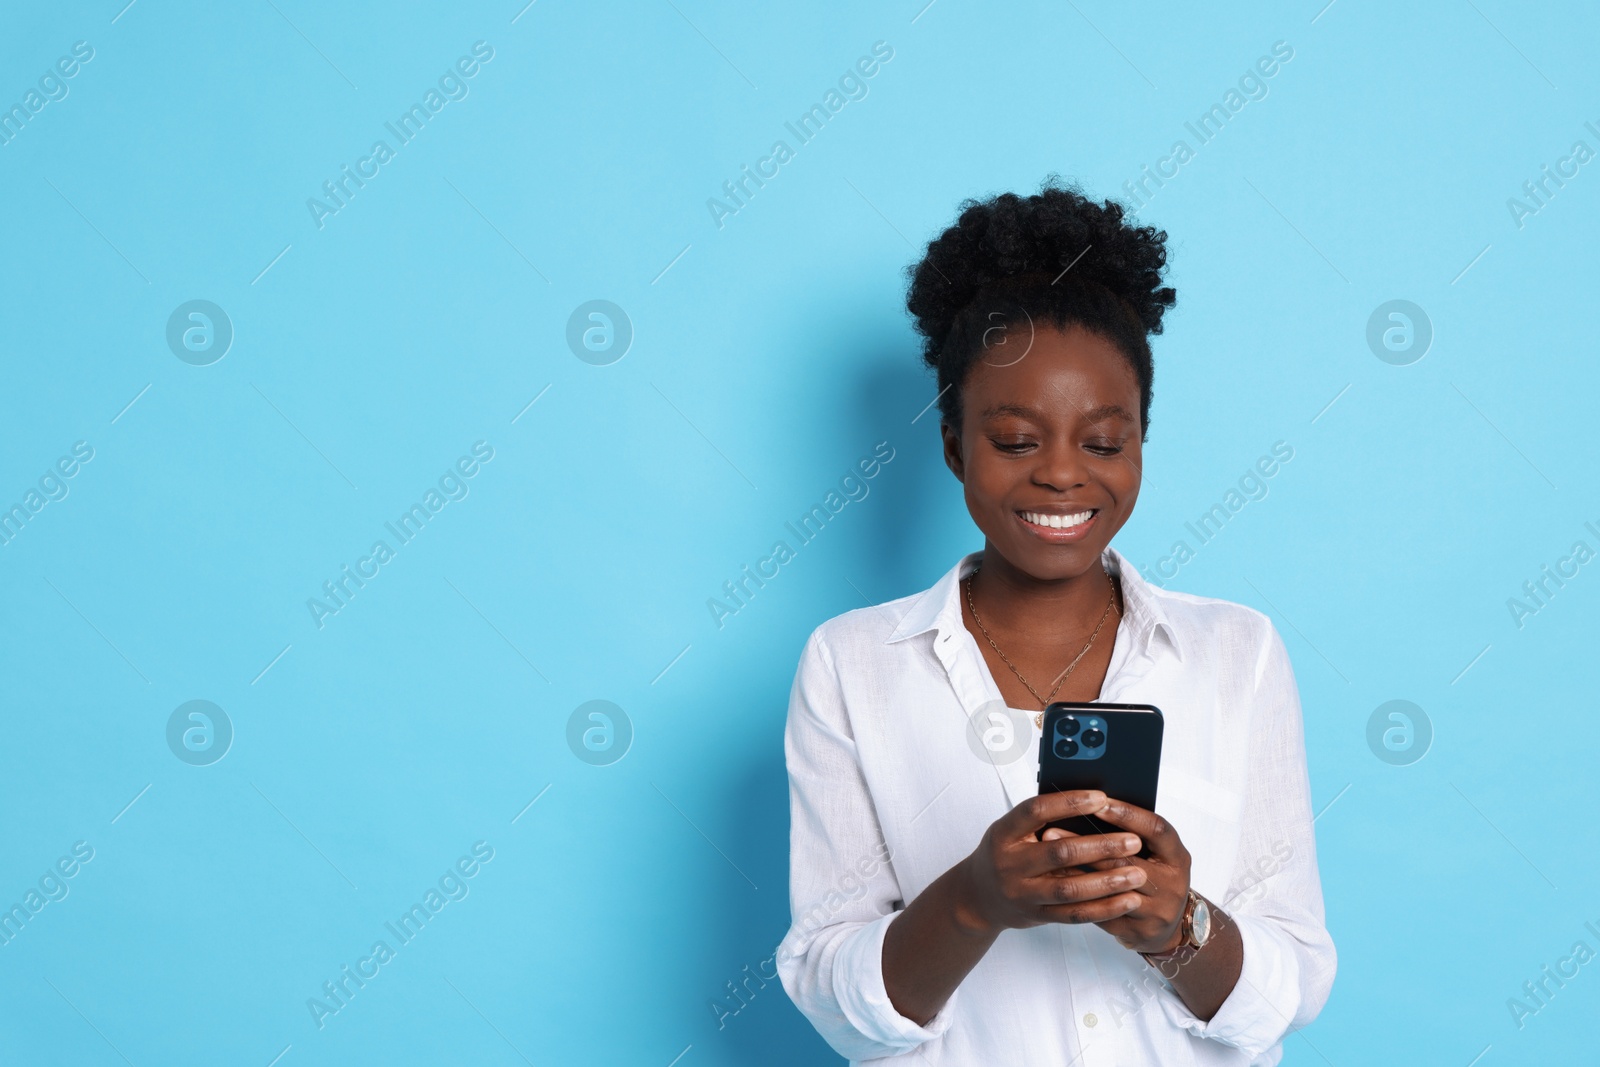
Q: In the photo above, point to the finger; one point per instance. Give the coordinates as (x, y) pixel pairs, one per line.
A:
(1156, 876)
(1026, 818)
(1088, 868)
(1101, 910)
(1055, 833)
(1157, 832)
(1106, 865)
(1072, 850)
(1051, 890)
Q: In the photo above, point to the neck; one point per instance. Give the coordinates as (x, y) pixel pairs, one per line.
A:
(1012, 600)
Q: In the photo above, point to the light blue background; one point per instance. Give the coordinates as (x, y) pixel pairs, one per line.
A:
(768, 356)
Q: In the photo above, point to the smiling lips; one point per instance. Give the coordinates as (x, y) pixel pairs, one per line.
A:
(1058, 527)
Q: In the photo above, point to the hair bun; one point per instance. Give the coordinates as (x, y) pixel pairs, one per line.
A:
(1058, 256)
(1015, 241)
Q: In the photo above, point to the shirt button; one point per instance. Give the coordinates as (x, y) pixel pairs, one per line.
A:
(1091, 1019)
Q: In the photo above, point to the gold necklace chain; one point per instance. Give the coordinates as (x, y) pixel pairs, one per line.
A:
(1038, 718)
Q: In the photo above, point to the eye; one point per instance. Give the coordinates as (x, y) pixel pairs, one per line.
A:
(1104, 448)
(1011, 444)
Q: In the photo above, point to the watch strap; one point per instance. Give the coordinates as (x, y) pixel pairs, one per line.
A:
(1186, 939)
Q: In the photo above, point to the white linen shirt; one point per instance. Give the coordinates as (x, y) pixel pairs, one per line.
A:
(887, 793)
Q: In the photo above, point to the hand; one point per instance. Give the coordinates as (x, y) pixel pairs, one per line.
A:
(1013, 879)
(1153, 925)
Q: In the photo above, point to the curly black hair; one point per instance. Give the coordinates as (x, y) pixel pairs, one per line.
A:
(1060, 257)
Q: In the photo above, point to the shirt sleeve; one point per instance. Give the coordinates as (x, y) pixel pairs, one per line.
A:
(843, 893)
(1275, 893)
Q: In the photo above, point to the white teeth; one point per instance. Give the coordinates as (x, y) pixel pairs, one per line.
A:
(1057, 522)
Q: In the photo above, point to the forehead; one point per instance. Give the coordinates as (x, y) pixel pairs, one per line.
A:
(1069, 372)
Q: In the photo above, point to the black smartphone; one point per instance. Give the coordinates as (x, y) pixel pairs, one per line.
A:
(1115, 748)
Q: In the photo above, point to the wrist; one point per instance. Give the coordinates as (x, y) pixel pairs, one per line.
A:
(966, 912)
(1171, 947)
(1196, 924)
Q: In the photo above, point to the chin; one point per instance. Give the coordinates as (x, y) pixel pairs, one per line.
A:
(1051, 562)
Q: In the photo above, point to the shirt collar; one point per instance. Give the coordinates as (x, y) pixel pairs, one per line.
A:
(939, 608)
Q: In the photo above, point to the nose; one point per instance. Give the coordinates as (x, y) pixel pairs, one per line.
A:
(1061, 466)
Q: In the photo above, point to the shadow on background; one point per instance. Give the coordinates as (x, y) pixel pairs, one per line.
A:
(921, 493)
(892, 388)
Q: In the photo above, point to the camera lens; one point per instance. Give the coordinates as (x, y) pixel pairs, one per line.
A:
(1067, 726)
(1066, 748)
(1093, 738)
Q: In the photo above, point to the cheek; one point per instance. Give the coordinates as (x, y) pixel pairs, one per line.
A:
(984, 493)
(1124, 482)
(1125, 503)
(978, 502)
(1120, 481)
(1130, 477)
(987, 482)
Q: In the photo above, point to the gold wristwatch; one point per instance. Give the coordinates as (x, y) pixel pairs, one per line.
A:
(1194, 930)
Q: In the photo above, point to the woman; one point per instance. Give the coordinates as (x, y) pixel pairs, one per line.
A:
(933, 922)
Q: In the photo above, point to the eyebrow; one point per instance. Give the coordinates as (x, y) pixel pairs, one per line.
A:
(1104, 411)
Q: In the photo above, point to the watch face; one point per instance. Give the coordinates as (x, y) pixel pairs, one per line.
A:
(1201, 922)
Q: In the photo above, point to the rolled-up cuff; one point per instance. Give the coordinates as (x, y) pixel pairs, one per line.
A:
(858, 984)
(1256, 1015)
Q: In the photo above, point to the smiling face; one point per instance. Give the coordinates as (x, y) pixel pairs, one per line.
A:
(1049, 450)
